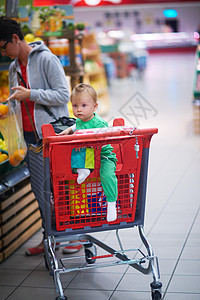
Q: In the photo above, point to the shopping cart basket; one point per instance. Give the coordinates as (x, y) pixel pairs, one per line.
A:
(73, 211)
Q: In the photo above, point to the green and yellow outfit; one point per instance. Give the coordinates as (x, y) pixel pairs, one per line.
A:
(108, 159)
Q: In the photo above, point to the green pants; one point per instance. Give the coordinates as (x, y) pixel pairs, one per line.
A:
(109, 179)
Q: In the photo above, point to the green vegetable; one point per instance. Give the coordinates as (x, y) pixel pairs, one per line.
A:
(80, 26)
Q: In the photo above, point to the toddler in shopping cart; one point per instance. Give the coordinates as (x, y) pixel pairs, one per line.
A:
(84, 105)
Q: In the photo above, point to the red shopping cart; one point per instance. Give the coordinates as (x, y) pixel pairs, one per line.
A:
(72, 211)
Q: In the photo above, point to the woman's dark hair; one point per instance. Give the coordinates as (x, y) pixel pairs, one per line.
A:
(8, 27)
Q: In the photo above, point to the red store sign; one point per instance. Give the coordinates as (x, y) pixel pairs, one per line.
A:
(100, 2)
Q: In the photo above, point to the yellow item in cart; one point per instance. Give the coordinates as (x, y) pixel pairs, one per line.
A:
(78, 199)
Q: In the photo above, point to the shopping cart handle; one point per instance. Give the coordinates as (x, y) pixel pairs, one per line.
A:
(49, 135)
(94, 134)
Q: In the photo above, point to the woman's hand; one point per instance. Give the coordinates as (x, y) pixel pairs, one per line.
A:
(20, 94)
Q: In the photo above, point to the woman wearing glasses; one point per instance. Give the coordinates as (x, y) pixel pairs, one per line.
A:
(37, 76)
(43, 75)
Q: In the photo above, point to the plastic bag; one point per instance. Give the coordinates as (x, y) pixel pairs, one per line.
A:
(12, 131)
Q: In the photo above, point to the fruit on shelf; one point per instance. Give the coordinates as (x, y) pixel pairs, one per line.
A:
(3, 145)
(80, 26)
(4, 88)
(4, 78)
(3, 157)
(91, 66)
(3, 95)
(26, 29)
(37, 39)
(29, 38)
(3, 110)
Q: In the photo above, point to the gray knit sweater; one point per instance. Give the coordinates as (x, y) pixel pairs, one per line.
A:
(47, 81)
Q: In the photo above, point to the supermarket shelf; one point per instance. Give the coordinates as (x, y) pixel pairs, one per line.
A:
(11, 179)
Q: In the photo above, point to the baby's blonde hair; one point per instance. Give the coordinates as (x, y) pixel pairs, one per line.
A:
(84, 88)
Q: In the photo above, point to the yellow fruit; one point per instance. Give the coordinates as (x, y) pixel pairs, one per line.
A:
(19, 154)
(3, 109)
(5, 97)
(4, 93)
(3, 157)
(3, 145)
(29, 37)
(38, 32)
(5, 90)
(37, 39)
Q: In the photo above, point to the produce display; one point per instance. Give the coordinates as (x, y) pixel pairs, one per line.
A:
(4, 88)
(4, 162)
(29, 38)
(4, 94)
(3, 156)
(2, 145)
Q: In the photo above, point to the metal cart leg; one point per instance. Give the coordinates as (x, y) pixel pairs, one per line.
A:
(50, 258)
(52, 264)
(156, 285)
(58, 285)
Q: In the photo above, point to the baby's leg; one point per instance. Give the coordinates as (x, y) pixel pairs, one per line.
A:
(110, 187)
(82, 175)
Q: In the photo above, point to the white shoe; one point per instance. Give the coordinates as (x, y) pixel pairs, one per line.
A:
(111, 211)
(82, 175)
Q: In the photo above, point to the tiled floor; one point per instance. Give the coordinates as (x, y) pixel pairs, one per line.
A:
(172, 221)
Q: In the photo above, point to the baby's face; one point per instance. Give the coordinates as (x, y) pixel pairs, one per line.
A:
(83, 107)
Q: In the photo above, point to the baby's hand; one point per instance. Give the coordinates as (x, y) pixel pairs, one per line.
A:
(66, 131)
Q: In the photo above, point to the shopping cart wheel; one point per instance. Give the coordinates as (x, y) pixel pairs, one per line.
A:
(61, 298)
(156, 290)
(90, 251)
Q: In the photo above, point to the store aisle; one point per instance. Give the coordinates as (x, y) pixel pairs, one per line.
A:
(161, 97)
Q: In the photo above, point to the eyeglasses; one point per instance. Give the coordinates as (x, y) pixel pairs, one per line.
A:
(3, 49)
